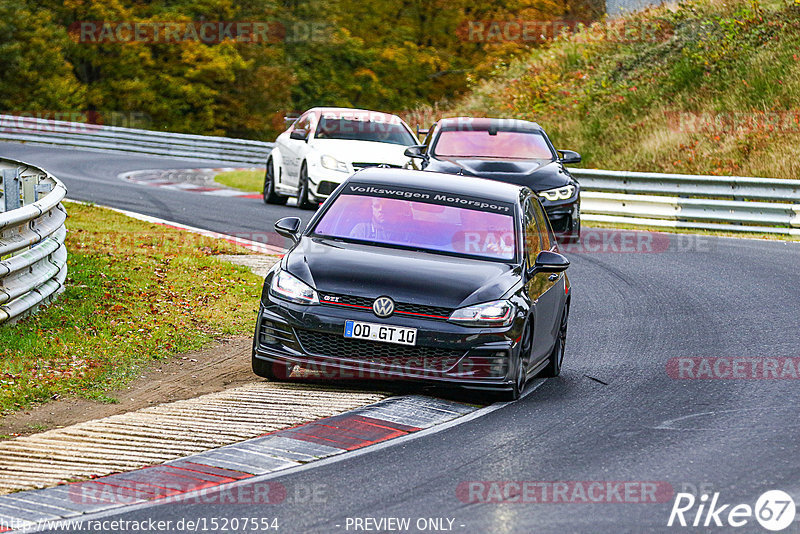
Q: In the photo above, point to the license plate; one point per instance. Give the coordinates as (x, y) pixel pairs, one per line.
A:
(380, 332)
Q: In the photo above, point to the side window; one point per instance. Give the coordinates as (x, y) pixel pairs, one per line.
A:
(303, 123)
(544, 225)
(533, 243)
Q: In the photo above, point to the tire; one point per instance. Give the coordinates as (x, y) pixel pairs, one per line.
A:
(274, 371)
(521, 361)
(303, 201)
(556, 358)
(268, 194)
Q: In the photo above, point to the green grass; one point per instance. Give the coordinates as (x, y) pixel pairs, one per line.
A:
(250, 181)
(135, 292)
(620, 102)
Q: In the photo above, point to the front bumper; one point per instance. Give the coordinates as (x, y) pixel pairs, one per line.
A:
(564, 216)
(312, 337)
(323, 181)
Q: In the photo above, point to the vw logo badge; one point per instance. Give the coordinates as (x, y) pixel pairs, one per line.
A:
(383, 307)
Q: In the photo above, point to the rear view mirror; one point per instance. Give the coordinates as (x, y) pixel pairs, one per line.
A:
(549, 262)
(570, 156)
(289, 227)
(415, 151)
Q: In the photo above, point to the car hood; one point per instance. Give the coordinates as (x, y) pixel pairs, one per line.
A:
(406, 276)
(539, 175)
(361, 151)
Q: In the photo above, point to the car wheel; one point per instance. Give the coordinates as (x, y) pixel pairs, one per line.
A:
(553, 368)
(521, 366)
(269, 194)
(303, 201)
(275, 371)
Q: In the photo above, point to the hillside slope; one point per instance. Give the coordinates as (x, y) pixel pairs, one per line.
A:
(699, 87)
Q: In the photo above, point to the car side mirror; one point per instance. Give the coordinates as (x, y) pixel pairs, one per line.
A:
(548, 262)
(300, 135)
(415, 151)
(289, 227)
(569, 156)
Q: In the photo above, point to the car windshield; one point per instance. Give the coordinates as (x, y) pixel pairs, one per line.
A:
(381, 131)
(492, 144)
(440, 227)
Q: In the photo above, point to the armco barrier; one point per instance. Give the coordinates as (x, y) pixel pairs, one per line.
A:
(113, 138)
(33, 257)
(729, 203)
(726, 203)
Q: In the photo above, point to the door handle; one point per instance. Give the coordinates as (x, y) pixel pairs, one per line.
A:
(553, 277)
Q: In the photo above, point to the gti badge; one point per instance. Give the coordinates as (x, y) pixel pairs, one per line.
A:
(383, 307)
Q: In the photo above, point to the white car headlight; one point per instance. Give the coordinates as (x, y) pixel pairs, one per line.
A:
(291, 288)
(559, 193)
(329, 162)
(495, 313)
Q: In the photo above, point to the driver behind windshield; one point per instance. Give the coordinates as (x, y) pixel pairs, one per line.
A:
(385, 225)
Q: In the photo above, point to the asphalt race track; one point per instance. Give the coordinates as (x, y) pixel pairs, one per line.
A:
(92, 177)
(615, 414)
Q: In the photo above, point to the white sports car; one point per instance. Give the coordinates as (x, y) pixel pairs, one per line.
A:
(326, 145)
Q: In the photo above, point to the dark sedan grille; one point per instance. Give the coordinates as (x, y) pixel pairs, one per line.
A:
(434, 312)
(375, 352)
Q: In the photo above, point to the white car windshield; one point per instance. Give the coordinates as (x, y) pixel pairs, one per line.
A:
(352, 129)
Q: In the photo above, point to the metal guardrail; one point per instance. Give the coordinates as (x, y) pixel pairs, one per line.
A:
(33, 257)
(730, 203)
(114, 138)
(726, 203)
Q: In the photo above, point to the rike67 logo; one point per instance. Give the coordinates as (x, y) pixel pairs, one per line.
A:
(774, 510)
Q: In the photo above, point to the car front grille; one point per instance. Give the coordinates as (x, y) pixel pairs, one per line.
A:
(402, 308)
(374, 352)
(358, 165)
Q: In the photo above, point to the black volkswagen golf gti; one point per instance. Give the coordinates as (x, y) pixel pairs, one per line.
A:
(394, 279)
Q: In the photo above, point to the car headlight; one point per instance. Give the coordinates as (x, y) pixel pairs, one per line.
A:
(559, 193)
(495, 313)
(291, 288)
(329, 162)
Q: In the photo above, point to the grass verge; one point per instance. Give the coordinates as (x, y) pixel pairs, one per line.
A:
(135, 292)
(690, 231)
(250, 181)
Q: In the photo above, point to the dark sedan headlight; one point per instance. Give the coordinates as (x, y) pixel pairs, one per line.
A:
(287, 286)
(495, 313)
(559, 193)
